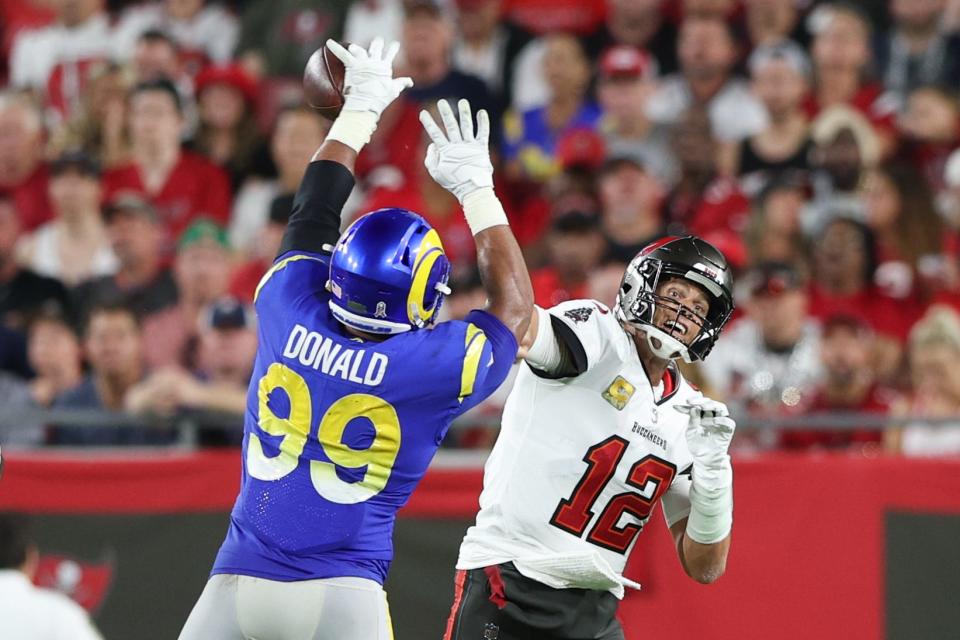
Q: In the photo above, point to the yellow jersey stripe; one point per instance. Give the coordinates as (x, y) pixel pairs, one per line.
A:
(475, 340)
(277, 267)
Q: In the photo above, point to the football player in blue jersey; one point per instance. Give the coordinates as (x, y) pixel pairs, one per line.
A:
(354, 386)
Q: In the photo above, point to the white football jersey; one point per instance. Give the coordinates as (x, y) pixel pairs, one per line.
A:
(581, 463)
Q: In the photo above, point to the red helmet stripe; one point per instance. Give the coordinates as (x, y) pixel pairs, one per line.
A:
(656, 244)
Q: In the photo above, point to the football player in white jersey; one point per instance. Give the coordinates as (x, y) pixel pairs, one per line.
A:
(598, 429)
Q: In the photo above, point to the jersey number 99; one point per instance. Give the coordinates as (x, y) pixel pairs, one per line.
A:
(294, 430)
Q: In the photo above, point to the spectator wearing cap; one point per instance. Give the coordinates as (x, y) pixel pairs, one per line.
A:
(707, 52)
(637, 23)
(181, 185)
(50, 60)
(227, 343)
(844, 270)
(780, 74)
(247, 276)
(98, 124)
(575, 247)
(921, 48)
(702, 201)
(630, 199)
(768, 22)
(933, 350)
(142, 279)
(27, 611)
(488, 47)
(201, 271)
(627, 79)
(23, 173)
(204, 31)
(22, 292)
(55, 357)
(841, 56)
(849, 386)
(74, 246)
(228, 133)
(278, 36)
(769, 360)
(298, 133)
(113, 343)
(530, 138)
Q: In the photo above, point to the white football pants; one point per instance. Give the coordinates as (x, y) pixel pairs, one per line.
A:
(234, 607)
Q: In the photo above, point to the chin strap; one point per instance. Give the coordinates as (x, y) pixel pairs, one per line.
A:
(669, 349)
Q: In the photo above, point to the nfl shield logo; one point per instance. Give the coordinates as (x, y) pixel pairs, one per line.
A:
(381, 311)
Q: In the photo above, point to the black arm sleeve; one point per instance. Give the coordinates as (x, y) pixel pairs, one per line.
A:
(573, 357)
(315, 220)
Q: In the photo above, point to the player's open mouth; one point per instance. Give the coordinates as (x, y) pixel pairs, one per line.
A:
(675, 328)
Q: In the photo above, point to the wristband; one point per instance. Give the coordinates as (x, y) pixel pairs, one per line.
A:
(353, 128)
(711, 514)
(482, 209)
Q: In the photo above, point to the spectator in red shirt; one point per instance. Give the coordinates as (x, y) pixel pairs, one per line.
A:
(181, 185)
(201, 271)
(909, 231)
(702, 201)
(23, 174)
(849, 387)
(246, 278)
(575, 247)
(228, 133)
(143, 280)
(841, 57)
(844, 268)
(52, 61)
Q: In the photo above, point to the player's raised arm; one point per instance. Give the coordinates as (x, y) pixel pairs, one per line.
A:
(459, 161)
(369, 87)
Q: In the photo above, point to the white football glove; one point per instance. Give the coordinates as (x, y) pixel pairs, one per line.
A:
(709, 433)
(368, 83)
(459, 161)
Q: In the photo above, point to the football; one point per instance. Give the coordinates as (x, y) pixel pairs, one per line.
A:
(323, 82)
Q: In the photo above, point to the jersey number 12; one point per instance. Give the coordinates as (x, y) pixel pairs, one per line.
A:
(650, 475)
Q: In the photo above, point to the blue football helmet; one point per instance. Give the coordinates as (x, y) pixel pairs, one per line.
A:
(388, 273)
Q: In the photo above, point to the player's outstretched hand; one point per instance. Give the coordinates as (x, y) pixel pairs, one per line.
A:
(459, 160)
(368, 82)
(709, 433)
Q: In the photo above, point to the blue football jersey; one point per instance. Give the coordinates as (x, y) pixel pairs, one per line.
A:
(338, 430)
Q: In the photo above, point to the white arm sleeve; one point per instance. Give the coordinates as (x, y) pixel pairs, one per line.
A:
(544, 354)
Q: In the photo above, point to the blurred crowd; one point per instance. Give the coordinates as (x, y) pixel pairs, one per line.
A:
(149, 153)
